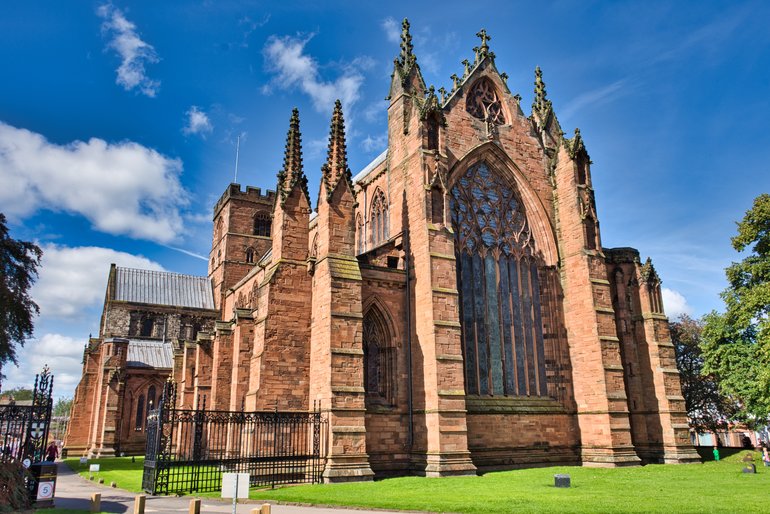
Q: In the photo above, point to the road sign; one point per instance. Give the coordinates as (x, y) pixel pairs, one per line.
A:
(235, 485)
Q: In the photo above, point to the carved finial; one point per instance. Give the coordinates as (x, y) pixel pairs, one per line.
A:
(476, 54)
(540, 104)
(648, 272)
(292, 174)
(442, 92)
(432, 106)
(406, 43)
(484, 49)
(336, 165)
(504, 76)
(455, 81)
(467, 65)
(575, 145)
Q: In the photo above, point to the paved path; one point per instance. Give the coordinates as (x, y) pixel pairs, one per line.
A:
(74, 492)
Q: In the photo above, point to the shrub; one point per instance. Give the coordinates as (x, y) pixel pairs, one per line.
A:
(13, 487)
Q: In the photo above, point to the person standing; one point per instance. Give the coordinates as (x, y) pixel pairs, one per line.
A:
(52, 452)
(716, 454)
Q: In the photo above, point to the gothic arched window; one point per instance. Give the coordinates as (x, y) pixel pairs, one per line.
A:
(218, 229)
(262, 224)
(499, 283)
(483, 103)
(150, 399)
(250, 255)
(139, 414)
(379, 218)
(379, 360)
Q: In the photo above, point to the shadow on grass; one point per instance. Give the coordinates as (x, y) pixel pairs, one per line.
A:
(707, 452)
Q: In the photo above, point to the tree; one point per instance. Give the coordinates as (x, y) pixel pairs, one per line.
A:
(736, 343)
(707, 408)
(19, 394)
(19, 261)
(62, 407)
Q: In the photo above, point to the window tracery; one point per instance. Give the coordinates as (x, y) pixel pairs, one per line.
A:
(483, 103)
(262, 224)
(500, 292)
(379, 360)
(379, 218)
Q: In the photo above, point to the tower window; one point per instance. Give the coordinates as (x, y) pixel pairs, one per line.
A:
(250, 255)
(262, 224)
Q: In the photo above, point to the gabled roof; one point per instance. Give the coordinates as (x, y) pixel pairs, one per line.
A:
(149, 354)
(163, 288)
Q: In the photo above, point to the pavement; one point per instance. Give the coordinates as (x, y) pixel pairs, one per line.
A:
(74, 492)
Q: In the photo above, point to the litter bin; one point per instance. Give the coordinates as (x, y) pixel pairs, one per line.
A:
(44, 477)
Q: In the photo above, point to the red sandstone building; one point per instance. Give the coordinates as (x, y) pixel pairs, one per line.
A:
(451, 306)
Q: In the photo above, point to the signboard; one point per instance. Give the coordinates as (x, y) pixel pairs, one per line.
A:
(94, 468)
(45, 490)
(83, 460)
(235, 485)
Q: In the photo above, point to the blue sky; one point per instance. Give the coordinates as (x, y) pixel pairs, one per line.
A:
(118, 124)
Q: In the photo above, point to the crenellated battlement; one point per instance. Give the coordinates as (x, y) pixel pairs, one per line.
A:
(252, 194)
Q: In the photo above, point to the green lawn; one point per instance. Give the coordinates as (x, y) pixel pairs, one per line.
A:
(709, 487)
(126, 474)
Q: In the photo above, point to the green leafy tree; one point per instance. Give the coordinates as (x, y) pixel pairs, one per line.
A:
(707, 408)
(736, 343)
(62, 407)
(19, 394)
(19, 261)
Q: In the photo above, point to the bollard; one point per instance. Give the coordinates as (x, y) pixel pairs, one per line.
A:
(113, 484)
(139, 504)
(96, 502)
(256, 510)
(101, 480)
(265, 509)
(195, 506)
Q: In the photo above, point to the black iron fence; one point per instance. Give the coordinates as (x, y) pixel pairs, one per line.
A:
(188, 450)
(24, 425)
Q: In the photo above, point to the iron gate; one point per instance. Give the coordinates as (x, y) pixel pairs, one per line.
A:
(24, 426)
(188, 450)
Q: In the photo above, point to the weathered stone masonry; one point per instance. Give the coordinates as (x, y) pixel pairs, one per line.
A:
(450, 308)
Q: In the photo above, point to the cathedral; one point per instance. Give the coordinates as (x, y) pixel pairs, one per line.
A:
(450, 307)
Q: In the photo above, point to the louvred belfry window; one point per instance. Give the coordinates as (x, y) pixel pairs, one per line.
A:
(497, 275)
(483, 103)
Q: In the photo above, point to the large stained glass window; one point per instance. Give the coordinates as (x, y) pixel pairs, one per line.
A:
(497, 274)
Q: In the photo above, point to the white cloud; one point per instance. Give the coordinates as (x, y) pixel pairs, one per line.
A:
(675, 303)
(134, 52)
(392, 29)
(62, 354)
(597, 96)
(286, 58)
(122, 188)
(198, 122)
(377, 143)
(74, 279)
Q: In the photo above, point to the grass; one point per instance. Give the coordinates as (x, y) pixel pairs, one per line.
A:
(709, 487)
(126, 474)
